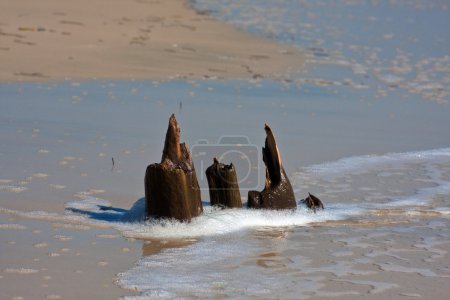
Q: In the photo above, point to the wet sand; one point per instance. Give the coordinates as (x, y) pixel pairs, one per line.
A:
(60, 180)
(41, 259)
(50, 257)
(131, 40)
(70, 221)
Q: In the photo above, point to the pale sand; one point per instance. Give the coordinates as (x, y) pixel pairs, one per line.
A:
(142, 39)
(42, 261)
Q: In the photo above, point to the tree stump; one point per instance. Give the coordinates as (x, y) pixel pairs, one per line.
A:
(314, 203)
(223, 185)
(171, 187)
(277, 193)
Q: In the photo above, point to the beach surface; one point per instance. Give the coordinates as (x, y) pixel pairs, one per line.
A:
(57, 40)
(364, 127)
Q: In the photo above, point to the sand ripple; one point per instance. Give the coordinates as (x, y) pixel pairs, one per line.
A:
(24, 271)
(13, 226)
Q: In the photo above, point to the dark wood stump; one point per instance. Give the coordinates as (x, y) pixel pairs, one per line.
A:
(277, 193)
(223, 185)
(314, 203)
(171, 187)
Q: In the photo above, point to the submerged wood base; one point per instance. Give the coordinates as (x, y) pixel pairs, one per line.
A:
(223, 185)
(314, 203)
(171, 187)
(278, 192)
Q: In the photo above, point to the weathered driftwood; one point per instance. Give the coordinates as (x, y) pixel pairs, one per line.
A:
(223, 185)
(277, 193)
(314, 203)
(171, 187)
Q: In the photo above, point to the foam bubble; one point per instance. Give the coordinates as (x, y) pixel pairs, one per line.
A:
(40, 175)
(23, 271)
(13, 226)
(62, 237)
(80, 227)
(212, 222)
(89, 203)
(95, 211)
(57, 186)
(370, 180)
(219, 222)
(40, 245)
(12, 188)
(364, 163)
(222, 235)
(207, 270)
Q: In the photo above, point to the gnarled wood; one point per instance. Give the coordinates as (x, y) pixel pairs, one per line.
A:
(277, 193)
(223, 185)
(314, 203)
(171, 187)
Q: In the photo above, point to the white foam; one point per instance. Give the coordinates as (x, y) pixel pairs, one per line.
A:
(13, 226)
(212, 222)
(429, 163)
(40, 176)
(70, 219)
(390, 78)
(95, 211)
(23, 271)
(365, 163)
(220, 233)
(219, 222)
(89, 203)
(12, 188)
(442, 210)
(62, 237)
(212, 269)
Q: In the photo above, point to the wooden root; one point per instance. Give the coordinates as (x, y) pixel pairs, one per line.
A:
(278, 192)
(171, 187)
(314, 203)
(223, 185)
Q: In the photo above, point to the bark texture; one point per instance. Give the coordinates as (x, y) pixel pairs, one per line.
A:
(223, 185)
(314, 203)
(277, 193)
(171, 187)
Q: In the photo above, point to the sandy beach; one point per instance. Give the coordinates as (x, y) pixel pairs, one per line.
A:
(128, 40)
(356, 93)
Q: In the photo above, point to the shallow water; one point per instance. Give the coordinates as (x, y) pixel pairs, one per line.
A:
(384, 46)
(59, 139)
(56, 167)
(383, 214)
(366, 128)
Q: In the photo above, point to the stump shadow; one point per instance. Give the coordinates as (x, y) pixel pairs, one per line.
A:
(113, 214)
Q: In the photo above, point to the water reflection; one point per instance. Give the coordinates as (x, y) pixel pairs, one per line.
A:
(151, 247)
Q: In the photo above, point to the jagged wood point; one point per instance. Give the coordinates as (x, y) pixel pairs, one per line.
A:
(171, 187)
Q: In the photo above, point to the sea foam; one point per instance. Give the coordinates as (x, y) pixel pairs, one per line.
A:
(364, 163)
(95, 211)
(221, 222)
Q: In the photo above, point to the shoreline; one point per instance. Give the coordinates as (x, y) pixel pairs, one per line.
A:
(75, 151)
(134, 41)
